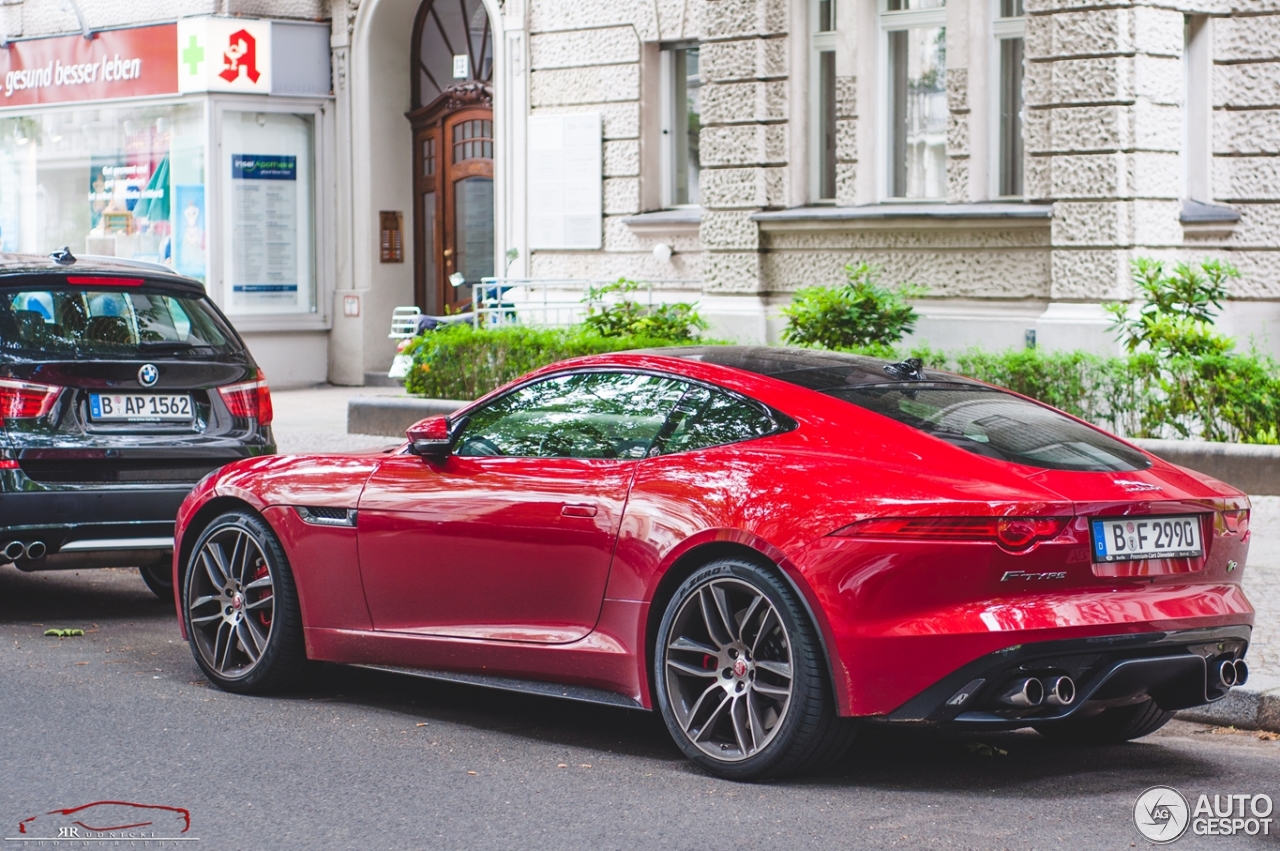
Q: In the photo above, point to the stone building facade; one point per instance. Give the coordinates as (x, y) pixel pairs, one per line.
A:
(1012, 156)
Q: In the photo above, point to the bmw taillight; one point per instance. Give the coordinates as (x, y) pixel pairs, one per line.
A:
(249, 399)
(1012, 533)
(20, 400)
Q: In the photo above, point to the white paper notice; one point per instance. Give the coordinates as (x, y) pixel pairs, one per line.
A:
(566, 182)
(265, 230)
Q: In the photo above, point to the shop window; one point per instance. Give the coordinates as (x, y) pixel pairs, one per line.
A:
(1010, 30)
(681, 125)
(915, 71)
(126, 181)
(823, 43)
(267, 185)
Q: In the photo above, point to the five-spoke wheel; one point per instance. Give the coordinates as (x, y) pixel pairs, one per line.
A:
(740, 678)
(241, 607)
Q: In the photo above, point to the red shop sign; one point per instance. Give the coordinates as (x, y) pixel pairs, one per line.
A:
(113, 64)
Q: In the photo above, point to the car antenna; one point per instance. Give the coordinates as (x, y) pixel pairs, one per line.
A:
(912, 368)
(63, 256)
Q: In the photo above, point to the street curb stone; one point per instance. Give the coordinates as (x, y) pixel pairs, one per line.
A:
(391, 415)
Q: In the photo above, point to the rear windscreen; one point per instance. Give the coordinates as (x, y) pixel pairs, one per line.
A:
(995, 424)
(89, 323)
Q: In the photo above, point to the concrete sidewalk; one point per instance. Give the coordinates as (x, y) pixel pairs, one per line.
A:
(315, 420)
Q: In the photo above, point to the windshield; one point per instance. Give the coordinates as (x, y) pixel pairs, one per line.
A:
(996, 424)
(75, 323)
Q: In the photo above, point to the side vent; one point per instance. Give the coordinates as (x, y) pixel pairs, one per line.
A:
(324, 516)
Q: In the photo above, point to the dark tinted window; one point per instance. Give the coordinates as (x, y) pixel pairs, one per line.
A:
(126, 322)
(996, 424)
(706, 417)
(582, 415)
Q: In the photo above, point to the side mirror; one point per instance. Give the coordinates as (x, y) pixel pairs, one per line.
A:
(430, 438)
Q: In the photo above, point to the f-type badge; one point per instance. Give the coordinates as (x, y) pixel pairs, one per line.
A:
(148, 375)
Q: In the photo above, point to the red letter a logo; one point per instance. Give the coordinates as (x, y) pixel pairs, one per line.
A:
(241, 55)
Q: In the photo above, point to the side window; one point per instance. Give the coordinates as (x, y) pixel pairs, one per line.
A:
(707, 417)
(582, 415)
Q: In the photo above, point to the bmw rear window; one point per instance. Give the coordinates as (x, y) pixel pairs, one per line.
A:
(94, 322)
(996, 424)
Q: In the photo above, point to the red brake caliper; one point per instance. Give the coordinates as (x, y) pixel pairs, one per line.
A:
(264, 615)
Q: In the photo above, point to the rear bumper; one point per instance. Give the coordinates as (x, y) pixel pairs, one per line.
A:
(1173, 668)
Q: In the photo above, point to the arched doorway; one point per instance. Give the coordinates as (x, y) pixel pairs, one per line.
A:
(452, 121)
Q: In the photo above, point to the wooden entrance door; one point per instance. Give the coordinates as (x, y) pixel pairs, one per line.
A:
(452, 123)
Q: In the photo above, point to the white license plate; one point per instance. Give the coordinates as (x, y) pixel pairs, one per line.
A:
(140, 408)
(1135, 538)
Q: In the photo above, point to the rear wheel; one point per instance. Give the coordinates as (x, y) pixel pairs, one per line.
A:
(1110, 726)
(241, 607)
(740, 677)
(159, 578)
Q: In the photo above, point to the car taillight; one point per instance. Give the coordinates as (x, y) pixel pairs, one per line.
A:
(23, 400)
(1012, 533)
(1236, 520)
(250, 399)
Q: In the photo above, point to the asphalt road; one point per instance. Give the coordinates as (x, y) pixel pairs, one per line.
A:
(370, 761)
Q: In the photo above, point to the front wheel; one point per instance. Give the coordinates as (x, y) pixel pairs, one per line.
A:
(740, 677)
(241, 607)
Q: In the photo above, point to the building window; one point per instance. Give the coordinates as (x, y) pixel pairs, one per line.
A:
(1010, 30)
(824, 119)
(916, 97)
(681, 124)
(1197, 120)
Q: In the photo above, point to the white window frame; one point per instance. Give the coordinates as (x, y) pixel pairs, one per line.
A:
(893, 21)
(820, 41)
(1197, 110)
(1002, 29)
(667, 158)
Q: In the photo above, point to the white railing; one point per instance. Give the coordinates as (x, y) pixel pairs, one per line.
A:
(551, 302)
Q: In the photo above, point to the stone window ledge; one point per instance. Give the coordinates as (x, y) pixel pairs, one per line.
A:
(913, 216)
(678, 221)
(1200, 219)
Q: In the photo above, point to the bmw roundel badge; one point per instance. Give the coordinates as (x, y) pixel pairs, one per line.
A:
(148, 375)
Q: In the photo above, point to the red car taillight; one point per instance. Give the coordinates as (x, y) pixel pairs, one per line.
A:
(1012, 533)
(250, 399)
(23, 400)
(1236, 520)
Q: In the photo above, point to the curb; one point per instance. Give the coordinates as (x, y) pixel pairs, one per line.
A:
(391, 415)
(1254, 708)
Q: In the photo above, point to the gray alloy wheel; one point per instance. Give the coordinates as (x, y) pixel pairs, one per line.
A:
(740, 678)
(241, 607)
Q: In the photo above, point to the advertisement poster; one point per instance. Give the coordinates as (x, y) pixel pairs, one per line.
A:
(264, 204)
(189, 230)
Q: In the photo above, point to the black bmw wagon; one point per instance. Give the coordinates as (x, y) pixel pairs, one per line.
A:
(121, 386)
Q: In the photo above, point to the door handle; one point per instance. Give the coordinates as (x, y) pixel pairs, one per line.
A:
(578, 510)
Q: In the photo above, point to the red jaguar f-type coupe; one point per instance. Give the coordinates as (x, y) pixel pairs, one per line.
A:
(761, 543)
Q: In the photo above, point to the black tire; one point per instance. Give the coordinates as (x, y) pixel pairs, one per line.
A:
(1110, 726)
(245, 631)
(159, 578)
(700, 660)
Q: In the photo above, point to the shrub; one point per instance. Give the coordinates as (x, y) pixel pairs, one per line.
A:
(1178, 308)
(625, 317)
(464, 362)
(858, 313)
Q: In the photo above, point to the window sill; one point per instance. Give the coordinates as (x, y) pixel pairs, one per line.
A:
(1208, 220)
(678, 220)
(898, 215)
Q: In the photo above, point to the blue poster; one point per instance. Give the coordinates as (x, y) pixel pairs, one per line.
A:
(189, 230)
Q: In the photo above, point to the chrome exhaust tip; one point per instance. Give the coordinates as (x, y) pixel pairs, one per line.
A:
(1059, 691)
(36, 549)
(1226, 673)
(14, 550)
(1242, 672)
(1022, 693)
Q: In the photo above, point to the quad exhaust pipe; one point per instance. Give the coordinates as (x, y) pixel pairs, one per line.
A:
(1029, 692)
(1242, 672)
(1228, 673)
(15, 550)
(1059, 691)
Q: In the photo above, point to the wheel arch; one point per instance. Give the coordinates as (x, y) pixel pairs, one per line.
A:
(191, 533)
(688, 562)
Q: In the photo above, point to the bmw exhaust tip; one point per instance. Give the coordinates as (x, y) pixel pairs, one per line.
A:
(1242, 672)
(1023, 693)
(1226, 673)
(14, 550)
(1059, 691)
(36, 550)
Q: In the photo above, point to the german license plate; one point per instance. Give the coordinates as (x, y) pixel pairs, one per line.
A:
(1135, 538)
(140, 408)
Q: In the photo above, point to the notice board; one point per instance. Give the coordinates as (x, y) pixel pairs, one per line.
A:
(566, 181)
